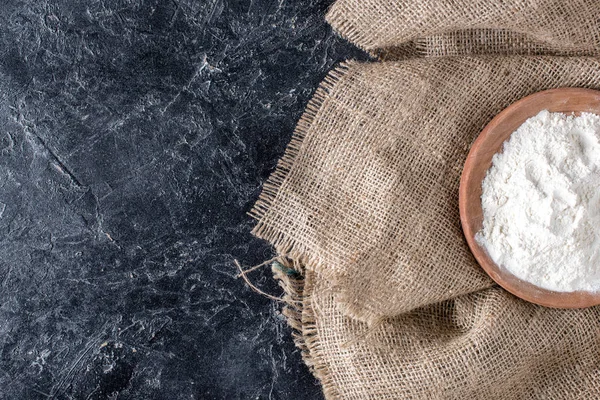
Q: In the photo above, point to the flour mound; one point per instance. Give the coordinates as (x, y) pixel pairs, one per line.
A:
(541, 203)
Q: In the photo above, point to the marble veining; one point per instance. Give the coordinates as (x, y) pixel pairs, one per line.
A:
(134, 137)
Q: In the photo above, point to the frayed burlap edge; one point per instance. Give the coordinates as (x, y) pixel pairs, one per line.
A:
(300, 316)
(342, 27)
(285, 245)
(298, 309)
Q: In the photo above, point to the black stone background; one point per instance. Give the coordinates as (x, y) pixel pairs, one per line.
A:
(134, 137)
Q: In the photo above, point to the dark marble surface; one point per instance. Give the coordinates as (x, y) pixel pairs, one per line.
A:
(134, 137)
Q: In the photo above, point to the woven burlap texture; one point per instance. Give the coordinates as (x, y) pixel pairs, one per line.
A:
(367, 195)
(393, 304)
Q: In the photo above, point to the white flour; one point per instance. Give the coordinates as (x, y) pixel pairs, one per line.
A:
(541, 203)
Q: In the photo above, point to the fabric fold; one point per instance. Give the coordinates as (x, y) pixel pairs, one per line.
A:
(485, 345)
(508, 27)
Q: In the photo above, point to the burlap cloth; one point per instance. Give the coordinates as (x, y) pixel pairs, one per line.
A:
(384, 296)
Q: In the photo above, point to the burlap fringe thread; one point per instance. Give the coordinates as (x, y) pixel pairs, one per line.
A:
(284, 246)
(299, 313)
(297, 308)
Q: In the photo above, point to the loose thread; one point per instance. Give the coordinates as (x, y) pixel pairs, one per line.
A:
(243, 274)
(364, 335)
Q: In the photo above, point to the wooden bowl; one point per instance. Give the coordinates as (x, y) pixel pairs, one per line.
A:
(479, 160)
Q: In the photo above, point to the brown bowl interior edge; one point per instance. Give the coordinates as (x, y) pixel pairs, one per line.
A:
(479, 160)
